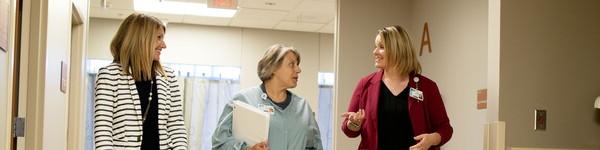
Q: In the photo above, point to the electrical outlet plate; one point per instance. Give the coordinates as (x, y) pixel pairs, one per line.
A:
(540, 120)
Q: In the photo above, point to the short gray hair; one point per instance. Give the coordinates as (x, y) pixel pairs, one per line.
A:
(272, 60)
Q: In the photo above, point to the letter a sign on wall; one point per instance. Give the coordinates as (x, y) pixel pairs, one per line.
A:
(425, 39)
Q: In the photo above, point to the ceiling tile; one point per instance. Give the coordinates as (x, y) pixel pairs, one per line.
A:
(321, 6)
(206, 20)
(298, 26)
(309, 17)
(256, 18)
(313, 11)
(295, 15)
(284, 5)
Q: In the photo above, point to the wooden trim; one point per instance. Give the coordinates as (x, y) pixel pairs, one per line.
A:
(36, 16)
(76, 15)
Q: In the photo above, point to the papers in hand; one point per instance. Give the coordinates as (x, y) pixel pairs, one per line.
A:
(250, 124)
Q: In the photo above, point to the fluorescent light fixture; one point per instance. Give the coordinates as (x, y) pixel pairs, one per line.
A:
(181, 8)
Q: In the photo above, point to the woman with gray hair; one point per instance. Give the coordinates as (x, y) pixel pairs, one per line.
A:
(292, 125)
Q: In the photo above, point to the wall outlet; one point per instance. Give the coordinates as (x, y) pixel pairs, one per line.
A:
(540, 120)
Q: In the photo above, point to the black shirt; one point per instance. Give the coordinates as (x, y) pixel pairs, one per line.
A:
(283, 104)
(150, 139)
(394, 127)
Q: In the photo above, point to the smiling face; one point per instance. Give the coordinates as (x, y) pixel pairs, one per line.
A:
(160, 44)
(288, 72)
(379, 53)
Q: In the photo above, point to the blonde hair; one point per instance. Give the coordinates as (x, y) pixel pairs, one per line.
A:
(272, 60)
(400, 55)
(133, 46)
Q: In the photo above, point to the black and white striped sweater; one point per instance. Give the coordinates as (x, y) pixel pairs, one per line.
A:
(118, 112)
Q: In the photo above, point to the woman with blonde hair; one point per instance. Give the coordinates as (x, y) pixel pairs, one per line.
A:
(292, 124)
(138, 104)
(396, 107)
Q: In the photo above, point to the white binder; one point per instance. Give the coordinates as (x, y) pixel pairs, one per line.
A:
(250, 124)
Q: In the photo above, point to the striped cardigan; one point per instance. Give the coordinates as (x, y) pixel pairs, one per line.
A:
(118, 112)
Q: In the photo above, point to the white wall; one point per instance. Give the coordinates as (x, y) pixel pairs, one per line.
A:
(549, 59)
(458, 62)
(228, 46)
(207, 45)
(57, 49)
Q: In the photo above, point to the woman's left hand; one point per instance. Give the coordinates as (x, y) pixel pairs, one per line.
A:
(426, 140)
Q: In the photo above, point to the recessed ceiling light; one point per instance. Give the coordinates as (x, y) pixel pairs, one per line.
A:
(181, 8)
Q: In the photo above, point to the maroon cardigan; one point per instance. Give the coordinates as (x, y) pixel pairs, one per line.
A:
(426, 116)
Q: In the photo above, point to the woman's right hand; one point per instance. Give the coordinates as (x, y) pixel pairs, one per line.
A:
(259, 146)
(355, 119)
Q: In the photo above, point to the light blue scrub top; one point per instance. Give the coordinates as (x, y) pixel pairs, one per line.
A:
(292, 128)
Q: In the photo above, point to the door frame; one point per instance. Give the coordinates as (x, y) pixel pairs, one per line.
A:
(15, 71)
(32, 72)
(77, 101)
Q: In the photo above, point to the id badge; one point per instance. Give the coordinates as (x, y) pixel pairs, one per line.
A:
(416, 94)
(266, 108)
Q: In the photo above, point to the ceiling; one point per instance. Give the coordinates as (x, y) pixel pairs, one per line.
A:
(291, 15)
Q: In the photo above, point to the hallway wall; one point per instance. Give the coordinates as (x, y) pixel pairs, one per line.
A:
(458, 61)
(549, 59)
(229, 46)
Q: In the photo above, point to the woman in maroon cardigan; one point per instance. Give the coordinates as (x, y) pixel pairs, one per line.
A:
(396, 107)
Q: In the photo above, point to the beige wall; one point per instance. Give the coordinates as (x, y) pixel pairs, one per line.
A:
(458, 62)
(326, 53)
(357, 23)
(100, 37)
(549, 59)
(5, 101)
(57, 50)
(227, 46)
